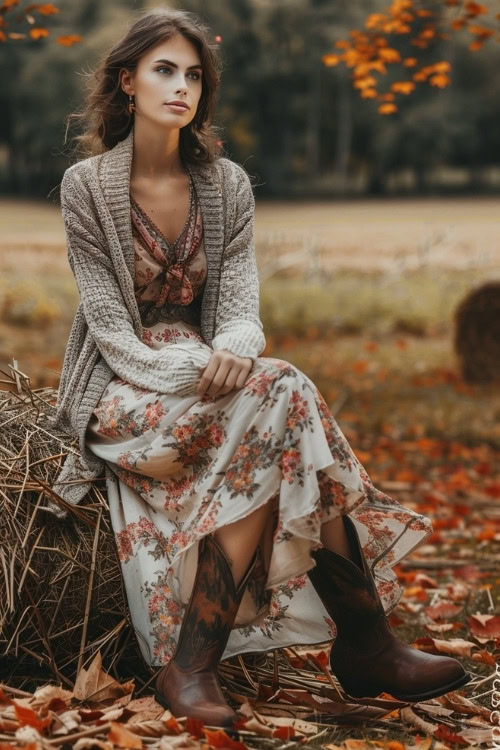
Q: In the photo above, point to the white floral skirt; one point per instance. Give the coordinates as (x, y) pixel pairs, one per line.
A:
(182, 467)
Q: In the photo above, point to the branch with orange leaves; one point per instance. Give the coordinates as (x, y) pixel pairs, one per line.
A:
(26, 15)
(370, 50)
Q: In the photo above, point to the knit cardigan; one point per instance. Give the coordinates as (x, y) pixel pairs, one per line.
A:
(106, 334)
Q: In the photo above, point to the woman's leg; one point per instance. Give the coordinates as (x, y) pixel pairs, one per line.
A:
(240, 539)
(334, 538)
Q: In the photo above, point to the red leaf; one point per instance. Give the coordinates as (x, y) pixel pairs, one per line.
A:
(194, 727)
(490, 629)
(284, 733)
(321, 659)
(221, 739)
(444, 733)
(443, 611)
(26, 715)
(4, 698)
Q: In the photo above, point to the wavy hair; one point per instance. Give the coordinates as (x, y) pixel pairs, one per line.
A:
(106, 117)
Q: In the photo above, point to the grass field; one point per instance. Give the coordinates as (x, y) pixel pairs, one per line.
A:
(360, 295)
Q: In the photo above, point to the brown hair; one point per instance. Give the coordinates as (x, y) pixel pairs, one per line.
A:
(106, 115)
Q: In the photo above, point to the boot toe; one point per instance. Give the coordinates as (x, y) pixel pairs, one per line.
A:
(210, 714)
(446, 670)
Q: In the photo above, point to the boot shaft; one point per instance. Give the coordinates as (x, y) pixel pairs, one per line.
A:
(347, 589)
(211, 611)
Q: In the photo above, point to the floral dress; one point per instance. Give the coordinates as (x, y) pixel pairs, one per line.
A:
(185, 466)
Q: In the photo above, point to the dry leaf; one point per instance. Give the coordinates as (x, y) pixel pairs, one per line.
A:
(147, 727)
(484, 627)
(477, 736)
(181, 741)
(464, 706)
(410, 717)
(94, 685)
(66, 722)
(91, 742)
(120, 735)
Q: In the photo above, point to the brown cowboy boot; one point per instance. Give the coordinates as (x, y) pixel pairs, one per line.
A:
(189, 685)
(366, 657)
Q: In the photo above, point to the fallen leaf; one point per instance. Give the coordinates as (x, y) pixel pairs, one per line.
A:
(119, 735)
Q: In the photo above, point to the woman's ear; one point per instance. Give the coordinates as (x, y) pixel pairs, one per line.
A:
(126, 81)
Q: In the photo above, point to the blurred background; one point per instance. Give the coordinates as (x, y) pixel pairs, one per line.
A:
(376, 235)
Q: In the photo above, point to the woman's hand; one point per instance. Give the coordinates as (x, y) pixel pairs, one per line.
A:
(224, 372)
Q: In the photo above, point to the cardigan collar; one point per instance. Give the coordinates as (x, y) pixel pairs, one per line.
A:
(114, 174)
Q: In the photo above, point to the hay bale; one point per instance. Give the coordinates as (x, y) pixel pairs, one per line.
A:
(61, 588)
(477, 334)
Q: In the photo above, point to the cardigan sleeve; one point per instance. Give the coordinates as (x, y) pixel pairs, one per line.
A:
(238, 327)
(172, 369)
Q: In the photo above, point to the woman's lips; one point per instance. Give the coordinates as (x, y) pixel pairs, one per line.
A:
(177, 107)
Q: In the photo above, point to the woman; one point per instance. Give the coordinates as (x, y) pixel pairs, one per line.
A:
(243, 519)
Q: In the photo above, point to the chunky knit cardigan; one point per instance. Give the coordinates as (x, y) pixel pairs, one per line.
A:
(106, 335)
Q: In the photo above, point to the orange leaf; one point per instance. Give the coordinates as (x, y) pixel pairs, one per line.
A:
(375, 20)
(485, 657)
(38, 33)
(440, 80)
(361, 365)
(173, 725)
(403, 87)
(120, 735)
(480, 30)
(363, 83)
(387, 54)
(475, 9)
(47, 9)
(330, 60)
(26, 715)
(68, 39)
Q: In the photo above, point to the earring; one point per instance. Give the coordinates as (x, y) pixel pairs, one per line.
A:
(131, 104)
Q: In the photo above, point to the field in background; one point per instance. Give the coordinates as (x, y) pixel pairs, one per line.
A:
(360, 295)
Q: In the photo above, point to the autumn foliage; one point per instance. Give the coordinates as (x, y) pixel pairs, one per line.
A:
(29, 14)
(376, 48)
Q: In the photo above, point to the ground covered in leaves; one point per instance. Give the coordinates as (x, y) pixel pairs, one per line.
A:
(450, 606)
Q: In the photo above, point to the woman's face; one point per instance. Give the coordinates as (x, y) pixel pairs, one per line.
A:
(169, 71)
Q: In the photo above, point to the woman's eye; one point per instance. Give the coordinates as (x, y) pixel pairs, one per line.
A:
(194, 72)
